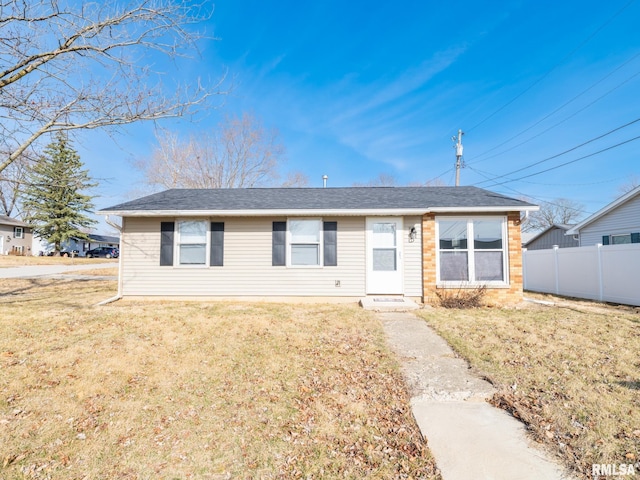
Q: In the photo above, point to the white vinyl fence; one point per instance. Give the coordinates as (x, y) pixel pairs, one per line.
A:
(608, 273)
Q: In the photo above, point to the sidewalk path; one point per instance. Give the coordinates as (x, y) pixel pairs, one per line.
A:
(469, 438)
(35, 271)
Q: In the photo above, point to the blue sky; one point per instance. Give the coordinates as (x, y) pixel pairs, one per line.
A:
(357, 89)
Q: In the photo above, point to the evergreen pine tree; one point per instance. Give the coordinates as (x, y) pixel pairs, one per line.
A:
(53, 197)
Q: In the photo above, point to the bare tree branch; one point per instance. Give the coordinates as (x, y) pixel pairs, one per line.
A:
(12, 181)
(559, 211)
(68, 65)
(630, 184)
(240, 152)
(382, 180)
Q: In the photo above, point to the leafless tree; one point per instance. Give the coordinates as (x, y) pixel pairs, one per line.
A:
(558, 211)
(68, 65)
(295, 179)
(632, 182)
(382, 180)
(240, 152)
(11, 181)
(389, 180)
(436, 182)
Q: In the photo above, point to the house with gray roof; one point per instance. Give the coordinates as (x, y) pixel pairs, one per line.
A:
(615, 224)
(552, 236)
(344, 243)
(15, 236)
(78, 245)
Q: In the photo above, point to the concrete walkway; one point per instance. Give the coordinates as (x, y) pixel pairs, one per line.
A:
(36, 271)
(469, 438)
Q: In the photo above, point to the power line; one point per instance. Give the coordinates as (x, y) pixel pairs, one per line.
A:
(490, 177)
(548, 72)
(562, 153)
(560, 108)
(569, 162)
(442, 174)
(537, 199)
(560, 122)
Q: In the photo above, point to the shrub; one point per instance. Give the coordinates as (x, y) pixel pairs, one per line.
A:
(461, 297)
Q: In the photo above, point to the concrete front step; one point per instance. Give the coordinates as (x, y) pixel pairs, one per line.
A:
(386, 303)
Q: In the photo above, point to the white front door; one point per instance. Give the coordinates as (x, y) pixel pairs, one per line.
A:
(1, 245)
(384, 255)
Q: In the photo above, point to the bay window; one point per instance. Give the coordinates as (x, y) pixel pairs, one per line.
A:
(471, 250)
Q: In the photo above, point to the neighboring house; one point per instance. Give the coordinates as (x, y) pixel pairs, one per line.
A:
(555, 235)
(79, 244)
(321, 242)
(15, 236)
(617, 223)
(94, 241)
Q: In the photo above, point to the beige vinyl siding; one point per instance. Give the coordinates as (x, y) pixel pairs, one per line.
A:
(412, 257)
(247, 269)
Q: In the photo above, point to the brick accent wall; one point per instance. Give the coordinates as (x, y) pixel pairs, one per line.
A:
(495, 296)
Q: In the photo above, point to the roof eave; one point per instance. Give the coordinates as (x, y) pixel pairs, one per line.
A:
(314, 212)
(506, 208)
(603, 211)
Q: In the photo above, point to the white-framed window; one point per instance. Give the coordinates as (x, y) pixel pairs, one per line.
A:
(304, 242)
(192, 242)
(384, 247)
(471, 250)
(18, 232)
(620, 239)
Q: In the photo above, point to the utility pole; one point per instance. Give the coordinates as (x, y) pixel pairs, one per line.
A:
(458, 147)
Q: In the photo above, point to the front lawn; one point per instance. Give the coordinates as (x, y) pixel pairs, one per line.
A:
(25, 260)
(571, 373)
(197, 390)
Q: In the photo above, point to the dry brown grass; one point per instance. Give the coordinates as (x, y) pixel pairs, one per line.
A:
(96, 272)
(197, 390)
(18, 261)
(571, 374)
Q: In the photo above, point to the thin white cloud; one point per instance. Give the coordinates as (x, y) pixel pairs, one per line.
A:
(383, 93)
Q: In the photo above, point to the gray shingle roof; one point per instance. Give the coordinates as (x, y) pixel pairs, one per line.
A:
(4, 220)
(293, 199)
(104, 238)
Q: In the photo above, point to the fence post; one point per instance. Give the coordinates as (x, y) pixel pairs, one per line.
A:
(557, 268)
(600, 280)
(524, 268)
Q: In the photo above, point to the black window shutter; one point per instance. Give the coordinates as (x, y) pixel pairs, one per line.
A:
(605, 239)
(279, 244)
(330, 244)
(166, 243)
(217, 244)
(635, 237)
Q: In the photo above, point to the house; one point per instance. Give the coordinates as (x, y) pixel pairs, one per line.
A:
(320, 242)
(94, 241)
(41, 247)
(555, 235)
(15, 236)
(617, 223)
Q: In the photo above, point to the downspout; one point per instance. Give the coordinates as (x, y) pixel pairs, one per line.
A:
(118, 295)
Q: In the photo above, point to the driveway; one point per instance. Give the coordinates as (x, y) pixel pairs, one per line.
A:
(39, 271)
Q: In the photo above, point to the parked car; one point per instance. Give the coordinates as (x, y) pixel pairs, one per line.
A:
(69, 253)
(106, 252)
